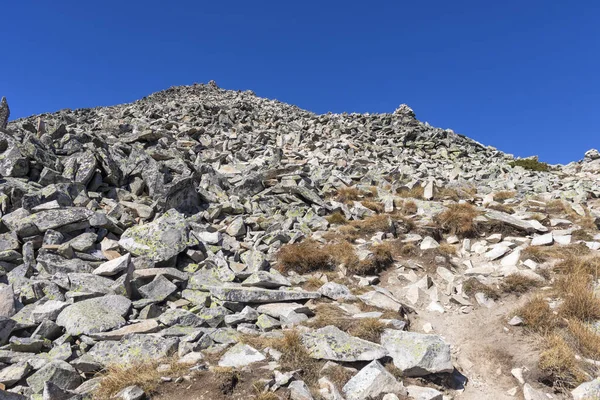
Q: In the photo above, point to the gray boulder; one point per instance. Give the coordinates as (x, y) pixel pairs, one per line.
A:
(371, 382)
(94, 315)
(160, 240)
(330, 343)
(417, 354)
(60, 373)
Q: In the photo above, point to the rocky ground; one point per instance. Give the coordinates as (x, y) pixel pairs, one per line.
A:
(206, 243)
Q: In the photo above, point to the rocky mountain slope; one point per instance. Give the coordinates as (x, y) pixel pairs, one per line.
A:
(324, 256)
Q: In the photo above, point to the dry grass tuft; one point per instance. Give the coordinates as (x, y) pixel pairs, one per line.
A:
(504, 195)
(368, 329)
(395, 371)
(381, 259)
(348, 194)
(416, 192)
(143, 374)
(409, 249)
(312, 284)
(374, 224)
(581, 234)
(472, 286)
(338, 375)
(501, 207)
(448, 249)
(538, 316)
(409, 207)
(518, 284)
(304, 257)
(374, 205)
(295, 356)
(266, 396)
(579, 300)
(458, 219)
(337, 218)
(558, 362)
(585, 338)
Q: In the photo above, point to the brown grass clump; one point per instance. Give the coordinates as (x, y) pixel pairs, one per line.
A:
(585, 338)
(416, 192)
(558, 362)
(303, 257)
(580, 265)
(266, 396)
(472, 286)
(368, 329)
(312, 284)
(374, 205)
(336, 218)
(581, 234)
(374, 224)
(446, 193)
(501, 207)
(518, 284)
(409, 207)
(579, 300)
(447, 249)
(504, 195)
(329, 314)
(458, 219)
(143, 374)
(348, 194)
(227, 377)
(395, 371)
(538, 316)
(408, 249)
(338, 375)
(381, 259)
(296, 357)
(557, 206)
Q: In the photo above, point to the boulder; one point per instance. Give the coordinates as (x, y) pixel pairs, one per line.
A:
(330, 343)
(371, 382)
(94, 315)
(417, 354)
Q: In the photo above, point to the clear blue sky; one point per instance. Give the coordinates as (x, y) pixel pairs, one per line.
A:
(518, 75)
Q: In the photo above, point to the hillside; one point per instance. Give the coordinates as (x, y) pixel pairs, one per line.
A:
(209, 244)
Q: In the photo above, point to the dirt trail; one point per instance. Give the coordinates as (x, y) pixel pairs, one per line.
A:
(485, 348)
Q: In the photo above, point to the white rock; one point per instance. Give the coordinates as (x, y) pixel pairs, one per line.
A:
(240, 355)
(429, 243)
(372, 381)
(542, 240)
(496, 252)
(530, 264)
(511, 259)
(299, 391)
(452, 239)
(113, 267)
(529, 393)
(424, 393)
(427, 328)
(563, 239)
(518, 374)
(587, 390)
(494, 238)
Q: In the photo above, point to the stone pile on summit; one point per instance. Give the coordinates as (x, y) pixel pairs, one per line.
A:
(140, 231)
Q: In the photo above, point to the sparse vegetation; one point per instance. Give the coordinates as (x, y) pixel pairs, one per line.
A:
(518, 284)
(472, 286)
(579, 300)
(303, 257)
(458, 219)
(368, 329)
(504, 195)
(416, 192)
(531, 164)
(373, 205)
(538, 316)
(348, 194)
(558, 362)
(143, 374)
(586, 339)
(337, 218)
(447, 249)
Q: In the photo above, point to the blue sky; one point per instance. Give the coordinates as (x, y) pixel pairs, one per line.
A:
(518, 75)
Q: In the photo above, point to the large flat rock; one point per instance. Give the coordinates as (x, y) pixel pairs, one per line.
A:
(258, 295)
(330, 343)
(100, 314)
(417, 354)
